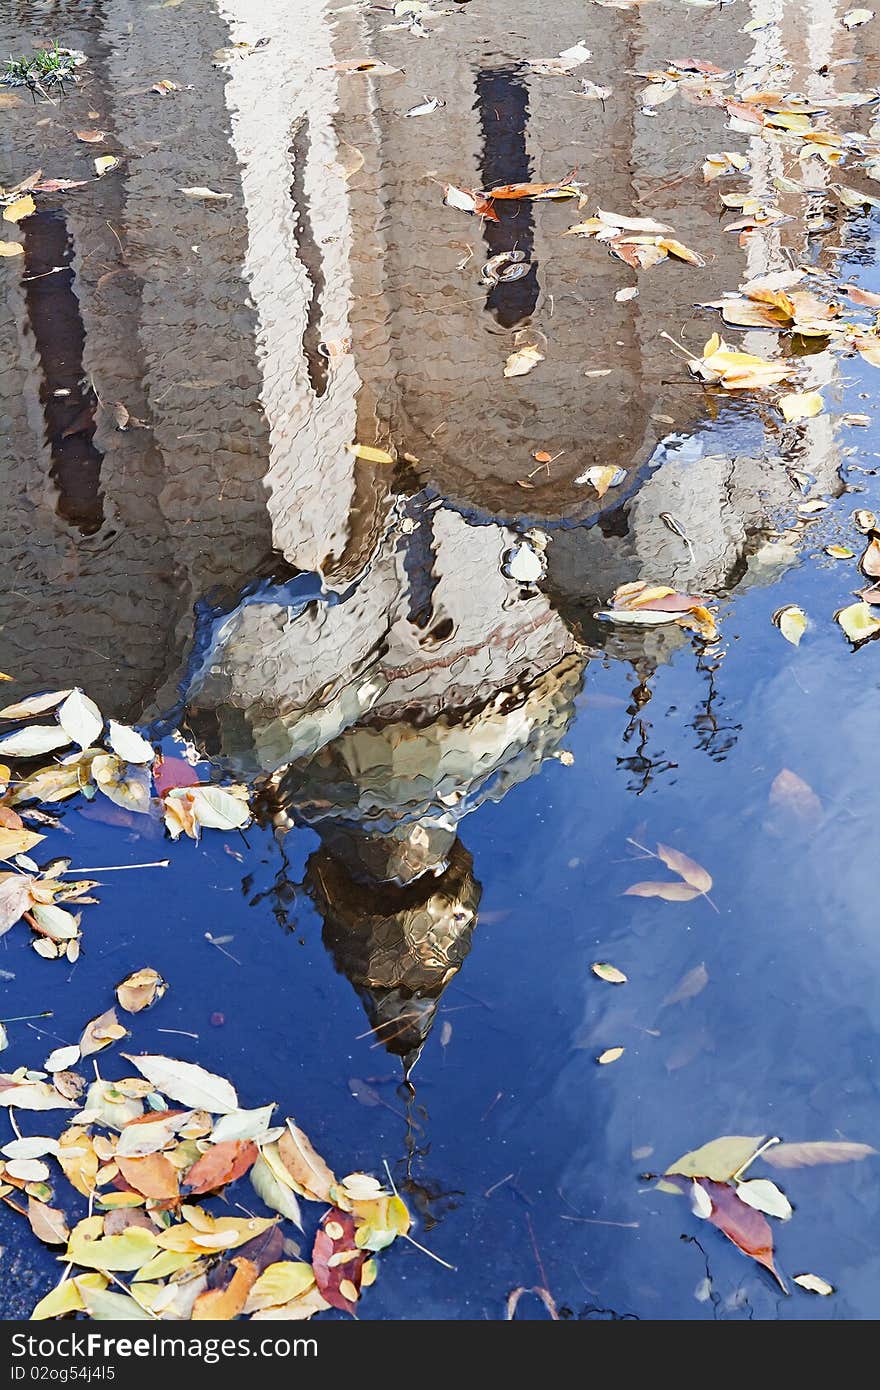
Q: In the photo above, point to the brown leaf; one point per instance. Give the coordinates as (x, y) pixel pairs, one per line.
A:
(748, 1229)
(90, 137)
(100, 1032)
(48, 1223)
(869, 563)
(338, 1280)
(222, 1305)
(692, 872)
(305, 1166)
(220, 1164)
(672, 892)
(140, 989)
(151, 1176)
(815, 1151)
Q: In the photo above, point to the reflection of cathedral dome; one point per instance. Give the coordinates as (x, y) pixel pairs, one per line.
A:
(398, 946)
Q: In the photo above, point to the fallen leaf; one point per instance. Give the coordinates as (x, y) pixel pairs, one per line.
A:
(11, 248)
(80, 719)
(688, 869)
(337, 1261)
(32, 1095)
(801, 406)
(33, 741)
(87, 1247)
(765, 1196)
(91, 137)
(791, 792)
(22, 207)
(100, 1032)
(47, 1223)
(688, 987)
(792, 623)
(749, 1230)
(522, 361)
(278, 1284)
(370, 454)
(206, 194)
(187, 1083)
(277, 1195)
(610, 973)
(305, 1165)
(814, 1283)
(858, 622)
(736, 371)
(719, 1160)
(221, 1305)
(140, 989)
(242, 1124)
(671, 892)
(153, 1176)
(221, 1164)
(853, 18)
(105, 163)
(611, 1054)
(816, 1151)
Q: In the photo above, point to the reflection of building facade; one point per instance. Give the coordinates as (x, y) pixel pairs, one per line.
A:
(417, 679)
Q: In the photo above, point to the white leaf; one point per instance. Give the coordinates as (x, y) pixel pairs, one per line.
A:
(523, 361)
(764, 1195)
(30, 743)
(80, 719)
(207, 193)
(814, 1283)
(242, 1124)
(701, 1202)
(28, 1170)
(32, 1095)
(34, 1147)
(129, 745)
(15, 897)
(62, 1059)
(55, 922)
(187, 1083)
(274, 1193)
(136, 1141)
(218, 808)
(37, 704)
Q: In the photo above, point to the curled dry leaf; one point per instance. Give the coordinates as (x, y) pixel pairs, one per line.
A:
(792, 623)
(140, 989)
(100, 1032)
(207, 195)
(310, 1174)
(858, 622)
(523, 361)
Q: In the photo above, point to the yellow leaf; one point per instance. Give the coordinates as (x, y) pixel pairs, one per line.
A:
(129, 1250)
(369, 454)
(104, 163)
(611, 1054)
(11, 248)
(67, 1298)
(801, 405)
(719, 1159)
(858, 621)
(22, 207)
(279, 1283)
(792, 623)
(607, 972)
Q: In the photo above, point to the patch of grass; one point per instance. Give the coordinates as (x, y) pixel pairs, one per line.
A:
(41, 69)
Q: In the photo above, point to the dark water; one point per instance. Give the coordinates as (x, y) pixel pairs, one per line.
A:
(428, 872)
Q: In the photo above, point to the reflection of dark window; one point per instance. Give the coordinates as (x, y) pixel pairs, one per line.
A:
(310, 257)
(503, 105)
(67, 398)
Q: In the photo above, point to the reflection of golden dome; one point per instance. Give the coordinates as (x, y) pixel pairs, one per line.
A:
(398, 946)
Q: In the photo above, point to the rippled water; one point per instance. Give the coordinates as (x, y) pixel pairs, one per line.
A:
(454, 761)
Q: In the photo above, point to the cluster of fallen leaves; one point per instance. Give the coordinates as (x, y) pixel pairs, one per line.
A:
(641, 242)
(147, 1151)
(713, 1177)
(94, 757)
(860, 621)
(642, 604)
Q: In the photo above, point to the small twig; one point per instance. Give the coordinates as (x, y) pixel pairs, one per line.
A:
(119, 868)
(425, 1251)
(768, 1144)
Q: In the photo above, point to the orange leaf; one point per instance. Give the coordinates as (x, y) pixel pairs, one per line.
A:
(222, 1305)
(152, 1176)
(221, 1164)
(748, 1229)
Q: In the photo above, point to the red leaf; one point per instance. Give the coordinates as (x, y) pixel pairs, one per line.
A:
(174, 772)
(748, 1229)
(221, 1164)
(335, 1237)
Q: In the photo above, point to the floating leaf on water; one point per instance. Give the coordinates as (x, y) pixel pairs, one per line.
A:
(765, 1196)
(863, 520)
(80, 719)
(100, 1032)
(869, 561)
(63, 1058)
(853, 18)
(221, 1164)
(610, 973)
(839, 552)
(747, 1228)
(802, 405)
(11, 248)
(425, 107)
(816, 1151)
(369, 454)
(601, 477)
(611, 1054)
(140, 989)
(792, 623)
(719, 1160)
(701, 1202)
(187, 1083)
(522, 361)
(207, 195)
(128, 744)
(814, 1283)
(812, 507)
(33, 741)
(858, 622)
(21, 208)
(688, 869)
(671, 892)
(271, 1190)
(36, 704)
(105, 163)
(47, 1223)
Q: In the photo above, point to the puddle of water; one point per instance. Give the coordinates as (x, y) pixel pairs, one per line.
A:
(453, 754)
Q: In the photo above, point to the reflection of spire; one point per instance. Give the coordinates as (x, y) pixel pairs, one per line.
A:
(398, 946)
(503, 102)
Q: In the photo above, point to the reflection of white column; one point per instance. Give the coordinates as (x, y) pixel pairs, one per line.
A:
(270, 93)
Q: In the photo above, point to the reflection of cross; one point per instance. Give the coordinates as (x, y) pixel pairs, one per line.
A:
(503, 103)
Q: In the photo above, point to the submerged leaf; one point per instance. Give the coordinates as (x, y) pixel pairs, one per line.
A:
(692, 872)
(813, 1152)
(671, 892)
